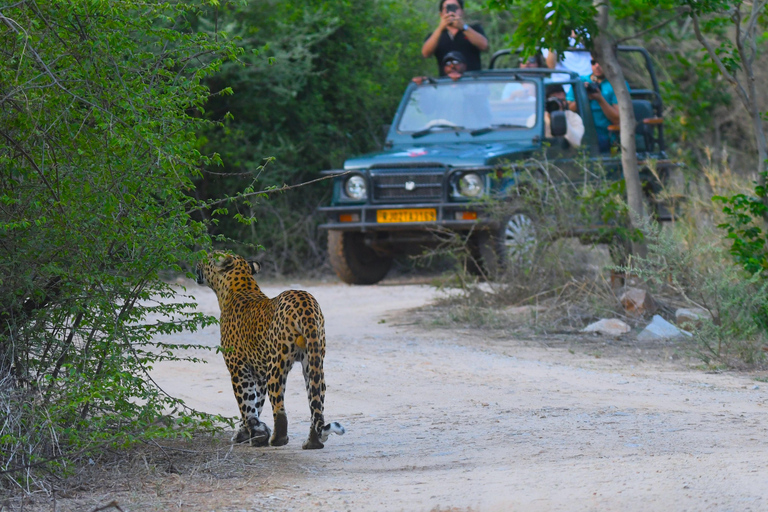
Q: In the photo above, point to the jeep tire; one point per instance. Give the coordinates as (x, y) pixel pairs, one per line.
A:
(511, 247)
(354, 261)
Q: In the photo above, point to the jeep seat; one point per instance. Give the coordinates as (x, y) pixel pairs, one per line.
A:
(647, 129)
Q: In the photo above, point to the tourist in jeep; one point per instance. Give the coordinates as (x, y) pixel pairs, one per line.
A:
(454, 67)
(603, 103)
(556, 101)
(471, 107)
(454, 34)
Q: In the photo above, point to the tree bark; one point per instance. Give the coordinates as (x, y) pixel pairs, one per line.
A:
(605, 50)
(747, 92)
(748, 56)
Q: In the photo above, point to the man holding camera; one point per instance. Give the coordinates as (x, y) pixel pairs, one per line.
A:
(454, 34)
(602, 102)
(556, 101)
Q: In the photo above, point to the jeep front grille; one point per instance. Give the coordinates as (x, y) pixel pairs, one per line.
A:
(407, 186)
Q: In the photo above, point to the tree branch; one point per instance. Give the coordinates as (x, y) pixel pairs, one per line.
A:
(655, 27)
(719, 63)
(270, 190)
(39, 171)
(757, 7)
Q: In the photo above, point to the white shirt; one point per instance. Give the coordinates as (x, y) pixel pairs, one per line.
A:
(575, 128)
(580, 62)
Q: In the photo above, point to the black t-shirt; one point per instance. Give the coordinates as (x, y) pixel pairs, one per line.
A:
(459, 43)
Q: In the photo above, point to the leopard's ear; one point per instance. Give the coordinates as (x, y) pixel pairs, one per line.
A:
(222, 261)
(255, 267)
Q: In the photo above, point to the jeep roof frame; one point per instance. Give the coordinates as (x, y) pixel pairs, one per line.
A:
(654, 93)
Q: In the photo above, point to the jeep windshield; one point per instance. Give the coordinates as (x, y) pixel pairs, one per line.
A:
(473, 106)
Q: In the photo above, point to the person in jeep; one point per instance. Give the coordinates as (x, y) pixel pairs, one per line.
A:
(454, 34)
(556, 101)
(454, 67)
(469, 108)
(603, 103)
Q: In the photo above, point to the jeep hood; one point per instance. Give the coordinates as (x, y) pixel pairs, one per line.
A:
(453, 155)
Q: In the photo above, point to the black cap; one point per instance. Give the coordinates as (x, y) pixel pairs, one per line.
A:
(553, 88)
(452, 57)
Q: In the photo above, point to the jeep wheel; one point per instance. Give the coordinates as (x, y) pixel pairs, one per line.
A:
(511, 247)
(354, 261)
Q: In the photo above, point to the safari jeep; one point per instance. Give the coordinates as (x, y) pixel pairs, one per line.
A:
(447, 147)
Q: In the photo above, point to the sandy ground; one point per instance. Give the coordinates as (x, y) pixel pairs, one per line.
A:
(455, 420)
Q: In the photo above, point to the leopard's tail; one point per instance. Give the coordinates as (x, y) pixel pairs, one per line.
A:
(314, 376)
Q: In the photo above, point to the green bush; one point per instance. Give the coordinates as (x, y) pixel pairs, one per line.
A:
(100, 102)
(745, 224)
(691, 266)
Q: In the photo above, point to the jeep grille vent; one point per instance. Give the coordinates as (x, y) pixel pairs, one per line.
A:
(407, 186)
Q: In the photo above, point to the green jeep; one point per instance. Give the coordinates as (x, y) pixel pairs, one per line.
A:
(452, 143)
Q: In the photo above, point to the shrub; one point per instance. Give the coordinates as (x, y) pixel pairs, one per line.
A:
(100, 103)
(572, 210)
(692, 267)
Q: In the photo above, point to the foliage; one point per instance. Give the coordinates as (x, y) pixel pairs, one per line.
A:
(549, 24)
(99, 102)
(582, 203)
(746, 229)
(691, 264)
(326, 76)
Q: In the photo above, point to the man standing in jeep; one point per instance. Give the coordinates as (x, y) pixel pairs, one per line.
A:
(454, 34)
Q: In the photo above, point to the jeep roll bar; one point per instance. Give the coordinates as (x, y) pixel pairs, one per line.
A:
(654, 94)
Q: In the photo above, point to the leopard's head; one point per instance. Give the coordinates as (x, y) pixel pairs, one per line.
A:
(220, 269)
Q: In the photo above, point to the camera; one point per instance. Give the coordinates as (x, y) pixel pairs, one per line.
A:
(592, 88)
(451, 8)
(554, 104)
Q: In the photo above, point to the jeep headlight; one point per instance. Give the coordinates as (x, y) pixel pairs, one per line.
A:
(356, 188)
(471, 185)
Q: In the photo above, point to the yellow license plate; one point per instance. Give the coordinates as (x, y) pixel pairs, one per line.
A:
(408, 215)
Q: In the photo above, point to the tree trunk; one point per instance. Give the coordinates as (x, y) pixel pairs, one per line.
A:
(762, 146)
(606, 55)
(750, 102)
(746, 43)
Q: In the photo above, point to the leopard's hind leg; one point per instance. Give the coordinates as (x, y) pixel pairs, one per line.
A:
(314, 379)
(250, 391)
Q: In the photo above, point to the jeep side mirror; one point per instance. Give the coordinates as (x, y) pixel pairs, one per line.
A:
(557, 124)
(386, 144)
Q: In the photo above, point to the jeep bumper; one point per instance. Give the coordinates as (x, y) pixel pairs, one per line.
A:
(363, 218)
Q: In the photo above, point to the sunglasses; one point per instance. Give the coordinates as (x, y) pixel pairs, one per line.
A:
(593, 62)
(453, 63)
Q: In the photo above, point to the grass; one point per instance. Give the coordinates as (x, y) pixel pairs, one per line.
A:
(568, 285)
(159, 476)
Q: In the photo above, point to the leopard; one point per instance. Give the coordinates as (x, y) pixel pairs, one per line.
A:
(261, 339)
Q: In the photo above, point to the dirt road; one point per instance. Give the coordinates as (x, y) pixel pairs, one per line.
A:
(451, 420)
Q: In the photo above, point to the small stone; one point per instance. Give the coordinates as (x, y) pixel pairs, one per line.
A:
(660, 329)
(691, 317)
(637, 302)
(608, 327)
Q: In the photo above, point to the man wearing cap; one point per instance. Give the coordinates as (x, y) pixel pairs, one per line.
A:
(453, 66)
(468, 106)
(454, 34)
